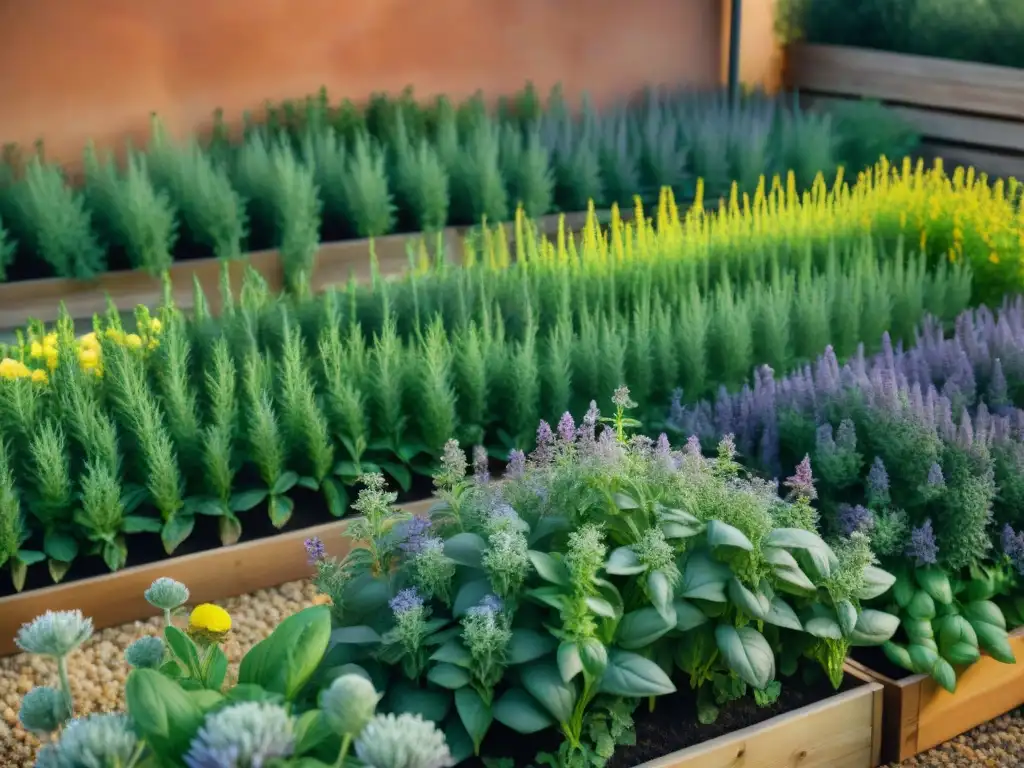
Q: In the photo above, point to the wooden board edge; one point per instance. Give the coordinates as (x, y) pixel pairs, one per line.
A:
(695, 755)
(211, 575)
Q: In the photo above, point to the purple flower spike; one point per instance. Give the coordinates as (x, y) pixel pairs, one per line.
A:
(489, 606)
(567, 428)
(545, 443)
(1013, 547)
(481, 470)
(414, 534)
(693, 446)
(878, 481)
(516, 463)
(802, 482)
(852, 519)
(662, 449)
(922, 546)
(315, 550)
(405, 601)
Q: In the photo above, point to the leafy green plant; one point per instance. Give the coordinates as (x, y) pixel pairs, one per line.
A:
(369, 202)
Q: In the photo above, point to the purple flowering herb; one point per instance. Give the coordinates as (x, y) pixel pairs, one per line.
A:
(878, 481)
(503, 511)
(693, 446)
(801, 484)
(545, 443)
(588, 427)
(662, 449)
(621, 399)
(1013, 547)
(854, 518)
(516, 463)
(489, 606)
(315, 550)
(676, 410)
(922, 546)
(567, 428)
(935, 477)
(481, 465)
(405, 601)
(414, 534)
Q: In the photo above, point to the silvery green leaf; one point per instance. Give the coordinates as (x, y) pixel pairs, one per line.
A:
(751, 603)
(623, 561)
(724, 535)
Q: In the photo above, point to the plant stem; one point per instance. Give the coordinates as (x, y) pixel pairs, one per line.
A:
(167, 617)
(137, 754)
(346, 742)
(65, 684)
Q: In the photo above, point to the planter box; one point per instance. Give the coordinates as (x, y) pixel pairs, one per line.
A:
(336, 261)
(920, 715)
(842, 731)
(969, 114)
(212, 575)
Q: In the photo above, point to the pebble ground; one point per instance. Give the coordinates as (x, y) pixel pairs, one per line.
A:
(98, 673)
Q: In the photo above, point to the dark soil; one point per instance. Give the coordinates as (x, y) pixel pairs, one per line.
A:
(672, 726)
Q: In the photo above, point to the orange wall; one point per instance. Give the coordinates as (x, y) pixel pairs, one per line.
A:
(78, 69)
(761, 56)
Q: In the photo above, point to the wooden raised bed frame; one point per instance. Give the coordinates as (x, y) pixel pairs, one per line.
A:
(968, 114)
(335, 262)
(920, 715)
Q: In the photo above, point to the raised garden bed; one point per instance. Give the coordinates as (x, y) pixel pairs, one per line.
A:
(920, 714)
(968, 114)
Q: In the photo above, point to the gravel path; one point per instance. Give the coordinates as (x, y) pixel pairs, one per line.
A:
(98, 672)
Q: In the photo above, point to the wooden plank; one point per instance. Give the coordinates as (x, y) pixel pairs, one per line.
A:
(212, 575)
(995, 164)
(835, 733)
(913, 80)
(939, 127)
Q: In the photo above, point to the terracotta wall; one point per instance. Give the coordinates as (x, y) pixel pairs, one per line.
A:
(74, 69)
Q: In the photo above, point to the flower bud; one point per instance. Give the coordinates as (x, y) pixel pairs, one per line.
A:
(167, 594)
(405, 741)
(349, 704)
(43, 710)
(55, 633)
(145, 653)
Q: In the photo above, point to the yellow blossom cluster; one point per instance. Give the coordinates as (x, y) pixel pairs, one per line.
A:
(39, 356)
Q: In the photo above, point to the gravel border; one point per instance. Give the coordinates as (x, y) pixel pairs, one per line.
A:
(98, 671)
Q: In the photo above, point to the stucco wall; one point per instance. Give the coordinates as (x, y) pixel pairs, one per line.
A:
(74, 69)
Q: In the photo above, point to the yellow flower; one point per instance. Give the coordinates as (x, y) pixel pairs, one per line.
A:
(13, 369)
(39, 376)
(90, 340)
(36, 350)
(154, 343)
(88, 358)
(133, 341)
(114, 335)
(50, 340)
(51, 358)
(209, 620)
(155, 325)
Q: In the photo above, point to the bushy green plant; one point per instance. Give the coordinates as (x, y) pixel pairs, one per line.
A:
(594, 575)
(369, 201)
(179, 711)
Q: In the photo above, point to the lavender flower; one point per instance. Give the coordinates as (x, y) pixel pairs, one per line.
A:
(693, 446)
(516, 464)
(567, 428)
(545, 443)
(414, 534)
(1013, 547)
(489, 606)
(315, 551)
(481, 469)
(851, 519)
(405, 601)
(878, 483)
(588, 426)
(935, 478)
(801, 484)
(922, 547)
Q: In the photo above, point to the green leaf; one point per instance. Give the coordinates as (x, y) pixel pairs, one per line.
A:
(518, 710)
(336, 497)
(286, 660)
(475, 715)
(279, 509)
(625, 502)
(704, 578)
(459, 743)
(944, 674)
(724, 535)
(469, 595)
(33, 556)
(660, 591)
(594, 656)
(544, 682)
(688, 615)
(429, 704)
(161, 712)
(206, 699)
(994, 641)
(601, 607)
(246, 500)
(638, 629)
(631, 675)
(986, 612)
(787, 570)
(922, 658)
(819, 553)
(311, 730)
(183, 649)
(550, 596)
(876, 583)
(217, 669)
(898, 655)
(935, 582)
(677, 524)
(549, 568)
(623, 562)
(309, 483)
(873, 627)
(958, 642)
(846, 615)
(825, 627)
(140, 524)
(284, 483)
(465, 549)
(755, 605)
(453, 652)
(903, 590)
(448, 676)
(746, 653)
(175, 531)
(399, 472)
(782, 615)
(921, 606)
(529, 645)
(355, 635)
(918, 629)
(570, 663)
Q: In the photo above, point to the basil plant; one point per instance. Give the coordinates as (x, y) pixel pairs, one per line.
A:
(601, 572)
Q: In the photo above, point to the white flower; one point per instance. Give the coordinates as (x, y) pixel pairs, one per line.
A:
(96, 741)
(246, 735)
(55, 633)
(349, 704)
(405, 741)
